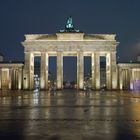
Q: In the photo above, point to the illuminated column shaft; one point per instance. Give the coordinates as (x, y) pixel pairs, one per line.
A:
(131, 79)
(127, 78)
(44, 70)
(10, 78)
(19, 78)
(29, 71)
(59, 70)
(120, 79)
(80, 70)
(97, 70)
(93, 71)
(15, 79)
(123, 78)
(114, 79)
(108, 70)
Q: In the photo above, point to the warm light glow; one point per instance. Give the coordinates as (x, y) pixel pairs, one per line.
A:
(121, 85)
(131, 86)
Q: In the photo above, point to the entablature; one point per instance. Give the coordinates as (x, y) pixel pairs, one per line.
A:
(9, 65)
(69, 36)
(129, 65)
(69, 45)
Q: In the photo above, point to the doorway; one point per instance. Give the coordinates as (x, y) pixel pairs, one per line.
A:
(102, 72)
(70, 72)
(37, 65)
(52, 72)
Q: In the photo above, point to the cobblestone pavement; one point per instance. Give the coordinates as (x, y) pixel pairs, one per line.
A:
(70, 115)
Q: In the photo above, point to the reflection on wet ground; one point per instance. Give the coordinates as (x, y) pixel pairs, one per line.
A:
(69, 115)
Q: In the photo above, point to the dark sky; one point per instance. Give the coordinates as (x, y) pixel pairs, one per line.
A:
(19, 17)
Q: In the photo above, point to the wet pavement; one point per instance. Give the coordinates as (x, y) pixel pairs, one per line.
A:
(70, 115)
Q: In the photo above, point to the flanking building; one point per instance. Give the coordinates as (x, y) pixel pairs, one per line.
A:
(11, 75)
(70, 42)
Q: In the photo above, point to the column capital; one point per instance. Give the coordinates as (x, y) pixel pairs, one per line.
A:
(80, 51)
(44, 52)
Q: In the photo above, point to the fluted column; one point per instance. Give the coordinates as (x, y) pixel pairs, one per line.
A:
(93, 70)
(80, 70)
(123, 78)
(10, 78)
(14, 79)
(28, 77)
(97, 70)
(131, 79)
(59, 70)
(108, 71)
(19, 78)
(127, 79)
(16, 72)
(120, 79)
(44, 71)
(114, 79)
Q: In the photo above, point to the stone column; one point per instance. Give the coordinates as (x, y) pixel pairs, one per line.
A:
(16, 72)
(28, 78)
(113, 71)
(10, 78)
(123, 78)
(44, 71)
(80, 70)
(14, 79)
(59, 70)
(131, 79)
(19, 78)
(93, 71)
(108, 71)
(127, 79)
(97, 70)
(120, 79)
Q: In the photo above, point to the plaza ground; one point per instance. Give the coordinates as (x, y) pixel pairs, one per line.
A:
(70, 115)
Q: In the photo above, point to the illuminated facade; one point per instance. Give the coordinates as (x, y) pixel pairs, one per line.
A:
(129, 76)
(11, 75)
(71, 42)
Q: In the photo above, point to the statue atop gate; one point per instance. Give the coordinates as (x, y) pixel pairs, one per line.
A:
(69, 27)
(69, 24)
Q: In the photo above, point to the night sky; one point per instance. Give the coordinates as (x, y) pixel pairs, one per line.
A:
(19, 17)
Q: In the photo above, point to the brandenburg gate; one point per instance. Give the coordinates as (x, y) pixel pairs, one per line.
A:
(70, 42)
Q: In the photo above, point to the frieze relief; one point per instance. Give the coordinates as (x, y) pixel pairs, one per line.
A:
(69, 43)
(69, 48)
